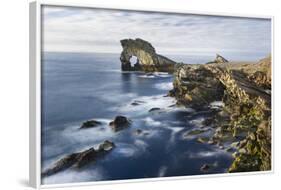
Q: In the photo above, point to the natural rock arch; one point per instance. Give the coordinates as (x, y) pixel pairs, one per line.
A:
(147, 58)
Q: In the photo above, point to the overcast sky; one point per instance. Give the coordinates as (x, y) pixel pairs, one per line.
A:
(68, 29)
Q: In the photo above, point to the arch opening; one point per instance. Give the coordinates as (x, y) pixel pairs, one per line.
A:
(134, 61)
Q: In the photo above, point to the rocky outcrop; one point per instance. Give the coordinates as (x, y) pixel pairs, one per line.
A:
(147, 58)
(79, 159)
(219, 59)
(90, 124)
(119, 123)
(245, 116)
(196, 86)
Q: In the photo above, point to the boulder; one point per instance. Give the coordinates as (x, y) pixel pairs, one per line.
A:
(89, 124)
(119, 123)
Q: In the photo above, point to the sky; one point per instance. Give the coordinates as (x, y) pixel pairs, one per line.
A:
(69, 29)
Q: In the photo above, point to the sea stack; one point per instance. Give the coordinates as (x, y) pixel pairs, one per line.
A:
(219, 60)
(147, 58)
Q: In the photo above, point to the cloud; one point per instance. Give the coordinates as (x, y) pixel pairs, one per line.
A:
(100, 30)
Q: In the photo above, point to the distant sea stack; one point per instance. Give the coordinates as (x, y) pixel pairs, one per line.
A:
(147, 58)
(219, 59)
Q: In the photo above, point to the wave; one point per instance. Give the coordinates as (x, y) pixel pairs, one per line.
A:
(207, 154)
(164, 86)
(151, 122)
(216, 104)
(146, 103)
(155, 75)
(162, 171)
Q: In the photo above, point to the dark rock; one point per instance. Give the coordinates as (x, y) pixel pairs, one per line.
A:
(208, 121)
(230, 149)
(119, 123)
(154, 109)
(80, 159)
(90, 123)
(138, 132)
(137, 102)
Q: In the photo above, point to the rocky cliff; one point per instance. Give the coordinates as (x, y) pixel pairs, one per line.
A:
(147, 58)
(244, 91)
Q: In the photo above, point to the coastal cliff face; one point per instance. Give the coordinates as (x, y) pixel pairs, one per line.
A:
(244, 91)
(147, 58)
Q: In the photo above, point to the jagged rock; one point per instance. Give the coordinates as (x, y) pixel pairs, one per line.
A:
(246, 114)
(147, 58)
(119, 123)
(80, 159)
(219, 59)
(90, 123)
(196, 86)
(262, 77)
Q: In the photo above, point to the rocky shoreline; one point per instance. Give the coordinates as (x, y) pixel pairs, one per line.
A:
(243, 90)
(245, 117)
(237, 95)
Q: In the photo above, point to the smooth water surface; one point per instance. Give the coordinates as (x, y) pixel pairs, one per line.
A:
(79, 86)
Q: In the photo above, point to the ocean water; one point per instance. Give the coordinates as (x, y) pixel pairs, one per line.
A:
(79, 86)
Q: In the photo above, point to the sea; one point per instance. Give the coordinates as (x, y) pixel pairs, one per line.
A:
(82, 86)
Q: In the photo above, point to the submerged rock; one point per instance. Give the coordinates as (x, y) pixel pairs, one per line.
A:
(90, 123)
(138, 132)
(80, 159)
(153, 109)
(119, 123)
(147, 58)
(205, 167)
(137, 102)
(195, 132)
(203, 139)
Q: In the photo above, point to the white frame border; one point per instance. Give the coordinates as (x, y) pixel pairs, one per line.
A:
(35, 91)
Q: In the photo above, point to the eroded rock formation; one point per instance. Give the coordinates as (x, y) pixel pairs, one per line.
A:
(245, 90)
(147, 58)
